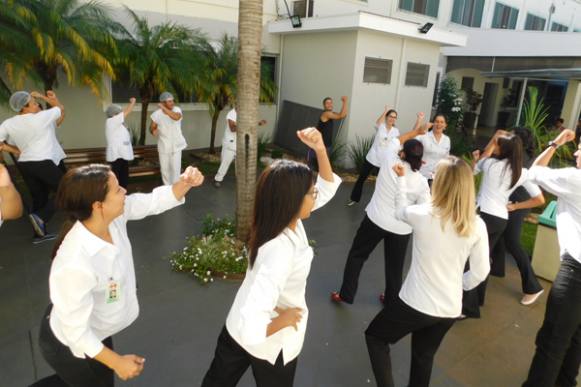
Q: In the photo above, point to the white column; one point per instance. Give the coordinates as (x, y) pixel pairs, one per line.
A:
(521, 101)
(572, 104)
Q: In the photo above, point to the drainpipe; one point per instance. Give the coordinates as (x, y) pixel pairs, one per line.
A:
(521, 101)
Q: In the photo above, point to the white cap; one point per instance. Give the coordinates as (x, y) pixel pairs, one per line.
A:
(165, 96)
(113, 110)
(19, 100)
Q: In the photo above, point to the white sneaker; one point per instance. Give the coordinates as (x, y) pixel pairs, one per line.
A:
(530, 299)
(351, 203)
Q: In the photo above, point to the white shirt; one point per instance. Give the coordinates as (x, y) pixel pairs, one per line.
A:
(118, 139)
(379, 148)
(81, 272)
(495, 187)
(434, 151)
(436, 277)
(381, 208)
(34, 134)
(170, 138)
(277, 279)
(565, 183)
(229, 139)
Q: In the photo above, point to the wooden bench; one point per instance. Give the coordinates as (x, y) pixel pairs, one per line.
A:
(146, 155)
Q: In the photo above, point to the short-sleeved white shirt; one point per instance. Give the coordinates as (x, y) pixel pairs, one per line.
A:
(34, 134)
(434, 151)
(229, 139)
(381, 142)
(170, 138)
(118, 139)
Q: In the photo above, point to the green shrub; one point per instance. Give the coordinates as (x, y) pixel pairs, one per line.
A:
(358, 151)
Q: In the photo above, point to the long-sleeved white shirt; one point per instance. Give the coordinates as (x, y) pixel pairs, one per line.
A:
(278, 278)
(495, 188)
(436, 277)
(381, 207)
(118, 139)
(83, 269)
(169, 138)
(565, 183)
(434, 151)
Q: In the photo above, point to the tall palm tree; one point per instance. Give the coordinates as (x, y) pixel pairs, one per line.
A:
(250, 38)
(217, 81)
(157, 58)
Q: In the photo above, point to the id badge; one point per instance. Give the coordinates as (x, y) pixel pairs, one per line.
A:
(113, 291)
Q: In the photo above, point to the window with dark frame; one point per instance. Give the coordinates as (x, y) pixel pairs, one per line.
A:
(417, 74)
(534, 23)
(557, 27)
(505, 17)
(468, 12)
(424, 7)
(467, 83)
(377, 70)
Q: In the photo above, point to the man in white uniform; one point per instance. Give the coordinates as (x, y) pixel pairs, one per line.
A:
(228, 147)
(166, 125)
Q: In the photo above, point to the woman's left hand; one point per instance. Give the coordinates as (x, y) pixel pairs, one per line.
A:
(399, 169)
(312, 138)
(192, 177)
(511, 207)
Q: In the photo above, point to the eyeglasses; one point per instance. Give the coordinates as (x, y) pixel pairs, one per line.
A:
(392, 116)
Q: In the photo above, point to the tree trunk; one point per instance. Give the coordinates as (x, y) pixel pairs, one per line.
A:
(145, 98)
(215, 117)
(250, 43)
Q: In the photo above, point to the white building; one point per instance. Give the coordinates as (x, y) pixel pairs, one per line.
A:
(373, 52)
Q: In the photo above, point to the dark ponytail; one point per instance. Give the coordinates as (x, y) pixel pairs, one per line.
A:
(413, 152)
(280, 191)
(78, 190)
(510, 148)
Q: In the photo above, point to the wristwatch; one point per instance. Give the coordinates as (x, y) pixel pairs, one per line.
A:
(552, 144)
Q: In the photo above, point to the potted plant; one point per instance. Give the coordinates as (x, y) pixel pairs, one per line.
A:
(473, 101)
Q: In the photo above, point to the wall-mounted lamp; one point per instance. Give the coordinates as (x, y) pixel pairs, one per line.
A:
(295, 20)
(425, 28)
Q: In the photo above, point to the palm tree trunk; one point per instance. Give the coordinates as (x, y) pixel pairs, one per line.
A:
(145, 98)
(250, 39)
(215, 117)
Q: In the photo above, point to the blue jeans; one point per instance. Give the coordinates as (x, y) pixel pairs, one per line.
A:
(558, 355)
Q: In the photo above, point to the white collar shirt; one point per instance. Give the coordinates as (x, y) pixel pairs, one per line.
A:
(565, 183)
(277, 279)
(170, 138)
(434, 151)
(495, 187)
(229, 139)
(118, 139)
(83, 269)
(381, 144)
(34, 134)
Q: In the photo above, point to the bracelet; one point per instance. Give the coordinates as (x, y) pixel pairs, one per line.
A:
(553, 144)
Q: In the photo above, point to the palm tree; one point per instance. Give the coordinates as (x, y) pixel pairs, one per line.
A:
(250, 38)
(217, 83)
(157, 58)
(71, 36)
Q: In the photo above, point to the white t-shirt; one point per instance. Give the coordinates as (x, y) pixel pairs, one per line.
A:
(379, 149)
(170, 138)
(34, 134)
(565, 183)
(381, 208)
(118, 139)
(229, 139)
(434, 151)
(495, 187)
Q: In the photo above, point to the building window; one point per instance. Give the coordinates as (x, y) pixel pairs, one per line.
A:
(467, 83)
(377, 70)
(425, 7)
(300, 8)
(534, 23)
(504, 17)
(559, 27)
(468, 12)
(417, 74)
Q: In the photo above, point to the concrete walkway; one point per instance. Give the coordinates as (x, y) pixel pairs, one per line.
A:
(180, 319)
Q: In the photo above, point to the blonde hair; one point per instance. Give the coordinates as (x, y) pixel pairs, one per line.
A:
(453, 195)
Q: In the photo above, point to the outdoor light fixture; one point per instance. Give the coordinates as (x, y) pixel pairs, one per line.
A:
(295, 20)
(425, 28)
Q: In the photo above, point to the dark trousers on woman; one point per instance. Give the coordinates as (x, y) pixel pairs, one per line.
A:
(42, 178)
(231, 362)
(364, 173)
(558, 355)
(394, 246)
(510, 241)
(473, 299)
(120, 168)
(72, 371)
(393, 323)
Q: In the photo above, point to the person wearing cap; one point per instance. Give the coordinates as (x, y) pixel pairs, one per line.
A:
(119, 149)
(32, 131)
(166, 125)
(10, 201)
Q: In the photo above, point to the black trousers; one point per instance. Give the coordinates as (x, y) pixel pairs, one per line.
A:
(71, 371)
(120, 168)
(558, 354)
(42, 178)
(393, 323)
(364, 173)
(231, 362)
(473, 299)
(510, 241)
(394, 247)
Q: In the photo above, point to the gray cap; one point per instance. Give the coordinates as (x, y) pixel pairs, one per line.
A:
(113, 110)
(165, 96)
(18, 100)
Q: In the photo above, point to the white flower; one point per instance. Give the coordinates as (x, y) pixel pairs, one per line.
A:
(208, 272)
(211, 279)
(224, 277)
(195, 264)
(205, 280)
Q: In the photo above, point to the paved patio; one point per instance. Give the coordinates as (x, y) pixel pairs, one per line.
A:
(180, 319)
